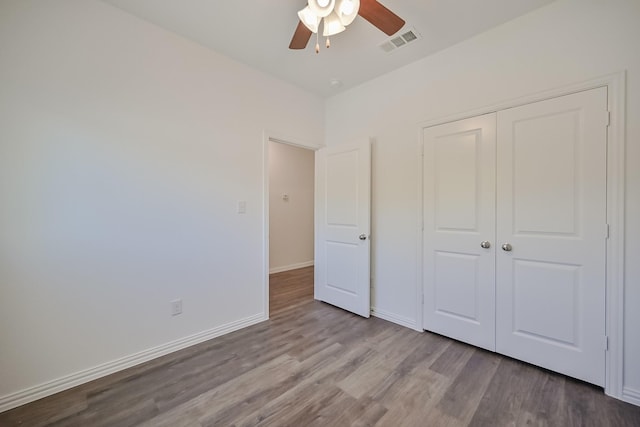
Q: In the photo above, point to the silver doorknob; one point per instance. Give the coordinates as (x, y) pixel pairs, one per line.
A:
(362, 237)
(507, 247)
(485, 244)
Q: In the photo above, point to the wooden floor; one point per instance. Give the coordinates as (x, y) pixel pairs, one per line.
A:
(315, 365)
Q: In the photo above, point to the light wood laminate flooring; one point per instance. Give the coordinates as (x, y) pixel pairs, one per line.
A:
(313, 364)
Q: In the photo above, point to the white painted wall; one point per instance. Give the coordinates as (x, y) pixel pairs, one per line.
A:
(564, 43)
(123, 152)
(291, 172)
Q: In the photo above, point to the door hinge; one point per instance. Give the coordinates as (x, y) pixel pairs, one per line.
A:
(608, 118)
(606, 231)
(606, 343)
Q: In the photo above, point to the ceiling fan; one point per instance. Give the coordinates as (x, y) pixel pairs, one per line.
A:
(337, 14)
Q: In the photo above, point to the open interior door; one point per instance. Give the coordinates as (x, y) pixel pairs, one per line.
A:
(343, 222)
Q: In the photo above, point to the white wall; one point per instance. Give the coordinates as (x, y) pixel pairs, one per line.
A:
(291, 172)
(561, 44)
(123, 152)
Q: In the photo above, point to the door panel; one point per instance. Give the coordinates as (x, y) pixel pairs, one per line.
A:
(544, 173)
(341, 276)
(343, 182)
(459, 213)
(455, 178)
(342, 186)
(456, 274)
(549, 285)
(551, 209)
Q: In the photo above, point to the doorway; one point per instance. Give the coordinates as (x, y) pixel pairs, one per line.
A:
(290, 192)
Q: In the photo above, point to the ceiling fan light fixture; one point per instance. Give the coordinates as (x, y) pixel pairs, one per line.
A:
(309, 19)
(321, 8)
(332, 25)
(347, 10)
(336, 15)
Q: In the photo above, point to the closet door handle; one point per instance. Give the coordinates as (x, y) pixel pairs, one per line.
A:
(507, 247)
(485, 244)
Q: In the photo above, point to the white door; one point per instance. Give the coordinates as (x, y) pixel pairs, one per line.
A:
(459, 230)
(551, 212)
(343, 183)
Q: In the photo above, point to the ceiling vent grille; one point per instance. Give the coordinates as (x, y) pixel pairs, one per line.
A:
(398, 41)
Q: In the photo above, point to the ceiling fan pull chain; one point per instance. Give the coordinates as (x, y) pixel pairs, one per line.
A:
(317, 44)
(328, 43)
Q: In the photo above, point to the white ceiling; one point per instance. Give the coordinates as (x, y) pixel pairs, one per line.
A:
(257, 33)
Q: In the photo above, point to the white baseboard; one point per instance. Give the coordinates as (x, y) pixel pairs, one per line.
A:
(31, 394)
(394, 318)
(290, 267)
(631, 395)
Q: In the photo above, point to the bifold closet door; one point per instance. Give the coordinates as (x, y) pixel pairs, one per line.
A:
(551, 232)
(459, 230)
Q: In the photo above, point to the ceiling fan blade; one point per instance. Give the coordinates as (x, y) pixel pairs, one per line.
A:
(387, 21)
(300, 37)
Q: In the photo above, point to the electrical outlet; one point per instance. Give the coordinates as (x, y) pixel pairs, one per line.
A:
(176, 307)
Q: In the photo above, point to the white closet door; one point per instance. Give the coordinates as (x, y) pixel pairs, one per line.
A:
(551, 192)
(459, 214)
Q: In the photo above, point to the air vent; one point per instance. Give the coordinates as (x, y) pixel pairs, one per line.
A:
(399, 41)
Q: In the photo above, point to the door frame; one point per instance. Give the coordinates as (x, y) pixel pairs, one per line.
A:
(614, 279)
(272, 136)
